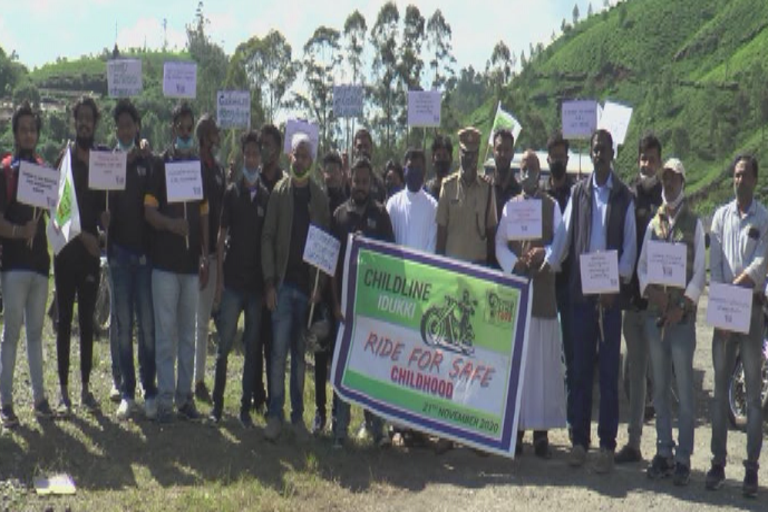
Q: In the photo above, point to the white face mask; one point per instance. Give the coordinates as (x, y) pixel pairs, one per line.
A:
(674, 203)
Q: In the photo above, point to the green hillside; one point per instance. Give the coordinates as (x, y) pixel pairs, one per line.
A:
(691, 69)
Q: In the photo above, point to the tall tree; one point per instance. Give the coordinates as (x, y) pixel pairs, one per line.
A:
(355, 29)
(498, 69)
(210, 58)
(439, 36)
(385, 72)
(575, 14)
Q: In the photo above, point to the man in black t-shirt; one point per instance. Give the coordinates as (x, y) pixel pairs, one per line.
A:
(179, 270)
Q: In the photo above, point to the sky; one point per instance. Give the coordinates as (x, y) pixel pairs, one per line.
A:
(42, 30)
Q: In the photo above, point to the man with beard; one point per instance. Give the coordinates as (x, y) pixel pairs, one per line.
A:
(179, 270)
(647, 194)
(363, 147)
(25, 267)
(394, 178)
(505, 186)
(207, 134)
(542, 403)
(363, 215)
(442, 159)
(76, 267)
(599, 217)
(737, 256)
(295, 203)
(130, 269)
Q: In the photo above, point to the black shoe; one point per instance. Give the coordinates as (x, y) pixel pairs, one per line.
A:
(541, 448)
(188, 411)
(8, 417)
(661, 467)
(215, 416)
(202, 393)
(43, 410)
(715, 477)
(682, 474)
(628, 454)
(749, 486)
(519, 444)
(245, 419)
(318, 424)
(88, 401)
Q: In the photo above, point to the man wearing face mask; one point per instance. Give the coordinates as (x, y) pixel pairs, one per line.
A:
(542, 404)
(466, 210)
(179, 270)
(647, 193)
(670, 323)
(363, 215)
(239, 279)
(737, 256)
(207, 134)
(295, 203)
(600, 216)
(130, 268)
(442, 159)
(76, 267)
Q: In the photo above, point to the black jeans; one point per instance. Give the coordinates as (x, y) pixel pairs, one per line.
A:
(262, 358)
(76, 272)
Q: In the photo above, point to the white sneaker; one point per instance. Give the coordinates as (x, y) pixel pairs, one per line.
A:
(150, 408)
(125, 409)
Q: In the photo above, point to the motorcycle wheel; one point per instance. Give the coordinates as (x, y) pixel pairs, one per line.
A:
(430, 327)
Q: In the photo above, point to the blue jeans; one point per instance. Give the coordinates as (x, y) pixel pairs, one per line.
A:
(288, 322)
(586, 337)
(174, 300)
(131, 277)
(24, 296)
(724, 359)
(676, 349)
(234, 302)
(637, 340)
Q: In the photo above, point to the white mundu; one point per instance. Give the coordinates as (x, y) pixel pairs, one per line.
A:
(414, 219)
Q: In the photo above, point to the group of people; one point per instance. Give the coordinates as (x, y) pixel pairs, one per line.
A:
(239, 251)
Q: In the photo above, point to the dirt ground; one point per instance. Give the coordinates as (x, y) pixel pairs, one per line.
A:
(142, 466)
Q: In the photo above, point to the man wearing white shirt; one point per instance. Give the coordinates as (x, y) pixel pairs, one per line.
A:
(542, 402)
(670, 323)
(599, 217)
(412, 210)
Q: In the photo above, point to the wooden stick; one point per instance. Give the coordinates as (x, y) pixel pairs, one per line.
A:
(186, 237)
(36, 217)
(106, 228)
(314, 291)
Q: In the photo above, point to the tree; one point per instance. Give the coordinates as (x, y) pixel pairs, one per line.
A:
(439, 36)
(575, 14)
(606, 4)
(385, 71)
(26, 91)
(211, 60)
(589, 10)
(498, 69)
(354, 34)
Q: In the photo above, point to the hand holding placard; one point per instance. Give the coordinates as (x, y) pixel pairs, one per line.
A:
(667, 263)
(599, 272)
(183, 182)
(321, 251)
(729, 307)
(106, 170)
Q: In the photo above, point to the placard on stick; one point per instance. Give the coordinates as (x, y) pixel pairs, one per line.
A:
(579, 119)
(599, 272)
(180, 79)
(347, 101)
(38, 186)
(233, 109)
(424, 108)
(183, 181)
(615, 119)
(106, 170)
(124, 78)
(321, 250)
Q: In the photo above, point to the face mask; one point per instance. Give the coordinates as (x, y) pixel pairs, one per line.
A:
(393, 189)
(529, 182)
(84, 143)
(442, 167)
(648, 182)
(125, 148)
(414, 178)
(184, 144)
(557, 168)
(672, 204)
(299, 176)
(250, 176)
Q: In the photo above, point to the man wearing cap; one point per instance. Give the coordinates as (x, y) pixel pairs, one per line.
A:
(599, 217)
(670, 322)
(466, 210)
(737, 256)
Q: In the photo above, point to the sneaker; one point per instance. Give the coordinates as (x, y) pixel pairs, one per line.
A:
(443, 446)
(150, 408)
(661, 467)
(43, 410)
(188, 411)
(318, 425)
(114, 394)
(749, 486)
(363, 432)
(338, 443)
(126, 408)
(65, 407)
(202, 393)
(88, 401)
(301, 432)
(8, 418)
(215, 415)
(627, 455)
(682, 474)
(715, 477)
(245, 419)
(272, 430)
(577, 457)
(604, 461)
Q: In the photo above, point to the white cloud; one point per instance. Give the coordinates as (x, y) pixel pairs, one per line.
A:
(149, 32)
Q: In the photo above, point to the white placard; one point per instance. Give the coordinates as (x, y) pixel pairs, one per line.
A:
(183, 181)
(424, 108)
(38, 186)
(294, 126)
(579, 119)
(524, 219)
(321, 250)
(124, 78)
(106, 170)
(180, 79)
(347, 101)
(233, 109)
(615, 119)
(729, 307)
(599, 272)
(666, 263)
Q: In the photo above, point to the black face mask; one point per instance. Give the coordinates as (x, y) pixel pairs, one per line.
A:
(358, 199)
(84, 143)
(557, 168)
(442, 168)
